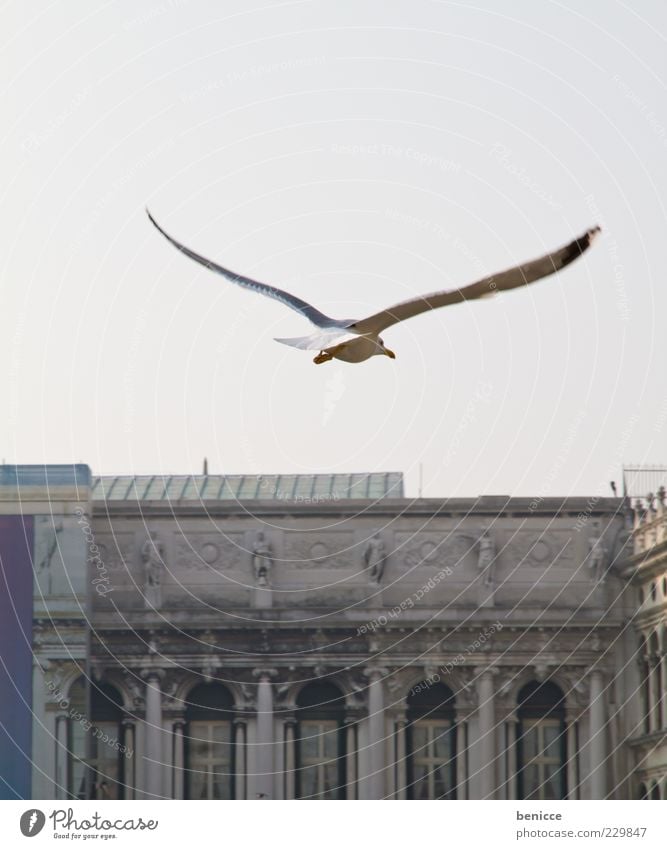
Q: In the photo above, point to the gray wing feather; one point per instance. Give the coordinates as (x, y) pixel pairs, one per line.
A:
(318, 318)
(520, 275)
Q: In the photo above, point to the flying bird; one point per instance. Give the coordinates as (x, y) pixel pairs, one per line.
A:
(356, 340)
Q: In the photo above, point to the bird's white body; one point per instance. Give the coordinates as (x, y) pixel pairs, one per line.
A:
(356, 349)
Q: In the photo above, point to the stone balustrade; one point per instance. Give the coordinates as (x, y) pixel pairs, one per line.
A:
(650, 521)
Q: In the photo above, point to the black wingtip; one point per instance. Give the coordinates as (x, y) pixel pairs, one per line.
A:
(157, 226)
(582, 244)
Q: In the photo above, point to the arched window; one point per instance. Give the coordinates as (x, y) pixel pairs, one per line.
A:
(431, 739)
(320, 743)
(98, 741)
(655, 792)
(209, 743)
(642, 793)
(541, 741)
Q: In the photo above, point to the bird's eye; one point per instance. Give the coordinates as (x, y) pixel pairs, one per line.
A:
(380, 341)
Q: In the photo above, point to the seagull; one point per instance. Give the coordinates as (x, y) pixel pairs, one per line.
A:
(356, 340)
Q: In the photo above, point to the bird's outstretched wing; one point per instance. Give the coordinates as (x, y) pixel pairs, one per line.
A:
(318, 318)
(520, 275)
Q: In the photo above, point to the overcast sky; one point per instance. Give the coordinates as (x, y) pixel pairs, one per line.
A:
(355, 153)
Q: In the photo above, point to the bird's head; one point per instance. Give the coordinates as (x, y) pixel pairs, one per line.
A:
(383, 350)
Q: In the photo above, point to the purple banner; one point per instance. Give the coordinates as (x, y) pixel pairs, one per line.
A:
(16, 581)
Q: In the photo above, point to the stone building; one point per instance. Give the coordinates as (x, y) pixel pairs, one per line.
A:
(323, 636)
(646, 570)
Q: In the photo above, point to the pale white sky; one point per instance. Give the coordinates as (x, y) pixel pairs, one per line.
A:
(356, 153)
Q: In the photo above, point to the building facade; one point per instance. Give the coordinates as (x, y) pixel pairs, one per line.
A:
(647, 570)
(323, 636)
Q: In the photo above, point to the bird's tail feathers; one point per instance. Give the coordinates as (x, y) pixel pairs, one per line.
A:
(316, 341)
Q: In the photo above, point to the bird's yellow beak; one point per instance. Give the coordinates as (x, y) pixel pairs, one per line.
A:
(390, 354)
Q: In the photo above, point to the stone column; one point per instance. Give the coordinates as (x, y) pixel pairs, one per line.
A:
(62, 766)
(652, 691)
(376, 732)
(512, 759)
(572, 754)
(597, 733)
(290, 758)
(350, 757)
(461, 754)
(153, 755)
(487, 755)
(179, 759)
(265, 742)
(662, 660)
(401, 758)
(241, 759)
(128, 756)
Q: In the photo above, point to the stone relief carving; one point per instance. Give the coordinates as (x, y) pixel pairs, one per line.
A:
(49, 546)
(209, 668)
(116, 552)
(135, 688)
(539, 549)
(56, 673)
(430, 549)
(319, 550)
(209, 552)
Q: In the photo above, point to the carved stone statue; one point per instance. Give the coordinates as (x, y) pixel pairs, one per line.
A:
(152, 555)
(486, 556)
(375, 558)
(262, 560)
(597, 555)
(622, 545)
